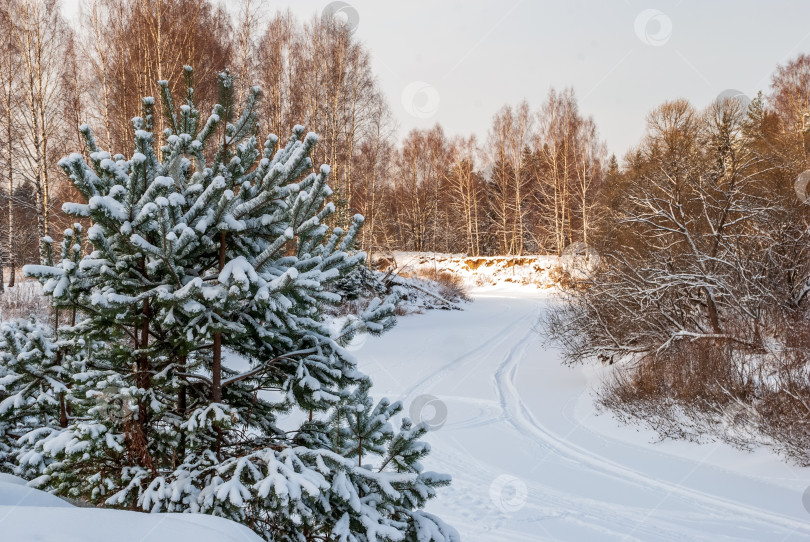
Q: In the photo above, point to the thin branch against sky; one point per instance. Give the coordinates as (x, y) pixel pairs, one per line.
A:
(623, 57)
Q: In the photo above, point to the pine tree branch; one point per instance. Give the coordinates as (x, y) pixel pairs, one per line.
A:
(264, 367)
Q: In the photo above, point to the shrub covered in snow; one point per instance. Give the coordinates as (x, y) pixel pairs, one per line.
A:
(412, 293)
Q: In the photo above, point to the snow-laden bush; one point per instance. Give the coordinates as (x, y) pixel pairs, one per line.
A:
(212, 244)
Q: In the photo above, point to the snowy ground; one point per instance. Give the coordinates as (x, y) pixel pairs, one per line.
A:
(28, 515)
(530, 458)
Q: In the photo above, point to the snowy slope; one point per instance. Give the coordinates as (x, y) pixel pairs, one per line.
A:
(530, 458)
(30, 515)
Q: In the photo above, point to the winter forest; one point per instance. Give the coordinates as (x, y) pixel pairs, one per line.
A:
(239, 302)
(530, 187)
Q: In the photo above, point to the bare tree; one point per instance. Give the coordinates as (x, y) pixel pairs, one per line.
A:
(466, 190)
(9, 94)
(246, 27)
(508, 141)
(791, 101)
(41, 35)
(136, 43)
(373, 164)
(337, 97)
(682, 269)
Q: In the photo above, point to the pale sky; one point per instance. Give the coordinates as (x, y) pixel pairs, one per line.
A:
(457, 62)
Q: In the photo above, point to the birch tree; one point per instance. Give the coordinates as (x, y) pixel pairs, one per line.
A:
(41, 36)
(9, 94)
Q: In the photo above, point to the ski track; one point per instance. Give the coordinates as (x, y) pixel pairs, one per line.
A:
(602, 519)
(522, 419)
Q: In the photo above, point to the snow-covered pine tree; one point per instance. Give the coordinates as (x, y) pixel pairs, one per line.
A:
(216, 251)
(34, 362)
(32, 389)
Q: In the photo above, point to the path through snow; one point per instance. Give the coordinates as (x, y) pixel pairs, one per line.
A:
(530, 458)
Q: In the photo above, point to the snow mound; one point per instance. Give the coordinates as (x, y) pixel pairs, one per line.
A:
(27, 514)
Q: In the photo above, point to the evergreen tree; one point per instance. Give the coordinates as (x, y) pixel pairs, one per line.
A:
(211, 252)
(31, 386)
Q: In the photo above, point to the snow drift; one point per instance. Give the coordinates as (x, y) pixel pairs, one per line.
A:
(27, 514)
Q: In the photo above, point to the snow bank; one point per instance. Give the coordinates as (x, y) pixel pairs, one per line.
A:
(27, 514)
(541, 271)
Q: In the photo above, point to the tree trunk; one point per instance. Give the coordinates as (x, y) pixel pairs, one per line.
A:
(216, 377)
(143, 379)
(182, 406)
(10, 244)
(216, 367)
